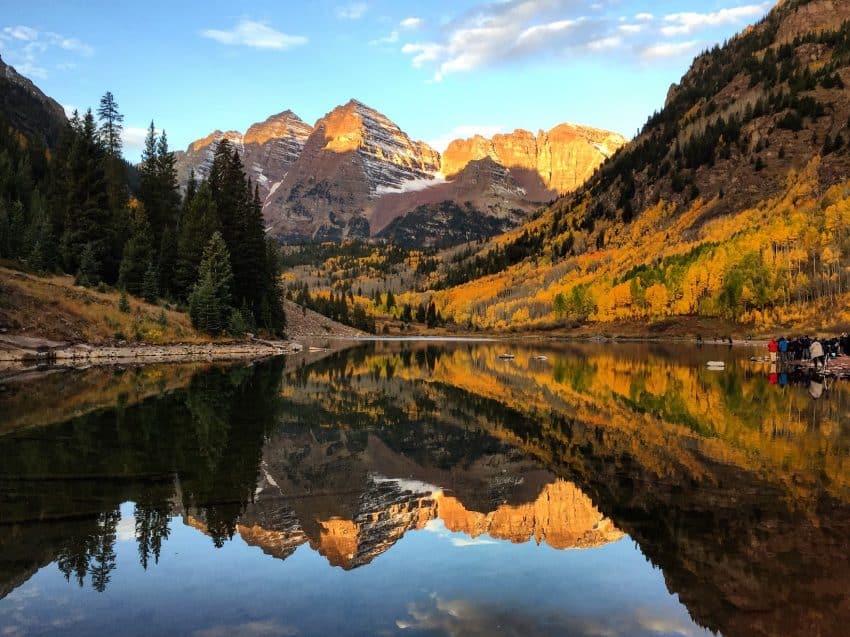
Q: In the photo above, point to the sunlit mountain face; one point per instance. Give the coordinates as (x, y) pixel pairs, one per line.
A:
(428, 488)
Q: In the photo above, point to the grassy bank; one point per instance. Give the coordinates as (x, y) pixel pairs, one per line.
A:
(53, 307)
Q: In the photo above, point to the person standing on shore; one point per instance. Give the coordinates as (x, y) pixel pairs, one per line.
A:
(816, 352)
(782, 344)
(773, 348)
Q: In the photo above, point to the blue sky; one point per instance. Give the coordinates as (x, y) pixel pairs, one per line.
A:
(439, 69)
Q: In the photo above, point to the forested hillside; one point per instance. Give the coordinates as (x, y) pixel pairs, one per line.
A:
(732, 202)
(79, 208)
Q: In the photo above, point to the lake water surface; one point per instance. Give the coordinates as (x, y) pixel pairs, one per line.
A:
(424, 488)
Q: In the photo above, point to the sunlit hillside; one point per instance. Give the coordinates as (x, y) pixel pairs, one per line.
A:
(732, 202)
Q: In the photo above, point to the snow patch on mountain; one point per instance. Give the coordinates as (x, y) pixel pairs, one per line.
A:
(412, 185)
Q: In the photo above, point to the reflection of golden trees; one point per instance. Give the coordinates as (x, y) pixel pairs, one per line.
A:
(665, 403)
(77, 392)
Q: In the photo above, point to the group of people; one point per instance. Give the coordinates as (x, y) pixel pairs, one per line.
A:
(805, 348)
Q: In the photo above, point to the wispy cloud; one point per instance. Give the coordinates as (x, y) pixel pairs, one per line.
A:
(26, 48)
(462, 542)
(408, 24)
(669, 50)
(133, 137)
(254, 34)
(352, 11)
(510, 31)
(267, 628)
(20, 32)
(411, 23)
(689, 22)
(391, 38)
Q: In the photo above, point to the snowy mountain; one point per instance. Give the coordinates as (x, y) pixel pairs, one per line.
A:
(355, 171)
(353, 155)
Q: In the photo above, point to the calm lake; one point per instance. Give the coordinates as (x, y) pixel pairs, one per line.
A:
(426, 488)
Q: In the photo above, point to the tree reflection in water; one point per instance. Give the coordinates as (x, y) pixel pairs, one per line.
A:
(737, 488)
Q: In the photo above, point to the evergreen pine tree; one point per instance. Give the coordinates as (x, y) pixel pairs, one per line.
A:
(138, 254)
(209, 303)
(198, 222)
(111, 124)
(123, 303)
(88, 272)
(272, 315)
(115, 171)
(150, 284)
(43, 255)
(431, 315)
(87, 221)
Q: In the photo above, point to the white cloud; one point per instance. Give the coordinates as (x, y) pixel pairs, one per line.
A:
(690, 21)
(631, 28)
(392, 38)
(20, 32)
(463, 132)
(267, 628)
(669, 49)
(30, 69)
(610, 42)
(539, 32)
(422, 53)
(133, 137)
(509, 31)
(73, 44)
(408, 24)
(411, 23)
(461, 542)
(352, 11)
(257, 35)
(24, 48)
(126, 529)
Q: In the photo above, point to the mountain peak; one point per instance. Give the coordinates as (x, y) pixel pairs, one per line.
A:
(288, 114)
(280, 126)
(357, 104)
(213, 138)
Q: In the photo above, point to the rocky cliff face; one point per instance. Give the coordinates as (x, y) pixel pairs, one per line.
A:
(198, 157)
(27, 109)
(354, 155)
(482, 200)
(562, 516)
(271, 147)
(553, 162)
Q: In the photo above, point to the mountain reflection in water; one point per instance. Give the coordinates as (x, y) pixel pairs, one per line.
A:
(737, 489)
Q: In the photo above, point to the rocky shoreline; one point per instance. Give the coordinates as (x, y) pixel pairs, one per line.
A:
(26, 349)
